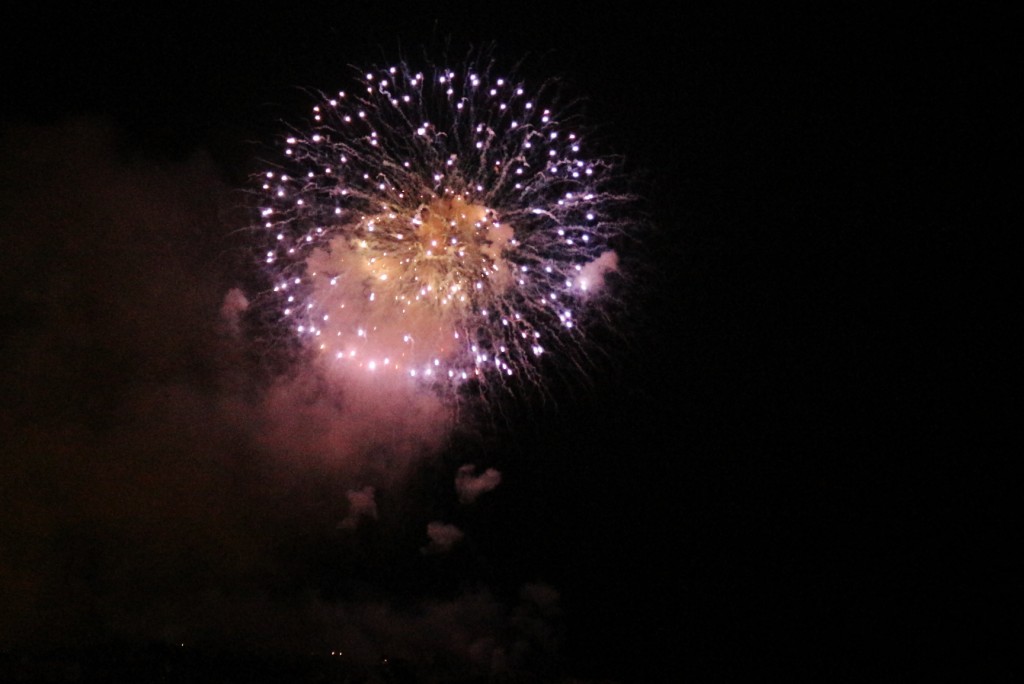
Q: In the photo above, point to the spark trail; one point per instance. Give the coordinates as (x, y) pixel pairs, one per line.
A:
(444, 227)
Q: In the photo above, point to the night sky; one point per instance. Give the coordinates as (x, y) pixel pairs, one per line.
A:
(760, 475)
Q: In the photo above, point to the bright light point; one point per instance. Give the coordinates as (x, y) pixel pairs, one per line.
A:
(436, 244)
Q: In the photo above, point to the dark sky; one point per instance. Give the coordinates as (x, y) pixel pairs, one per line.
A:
(764, 475)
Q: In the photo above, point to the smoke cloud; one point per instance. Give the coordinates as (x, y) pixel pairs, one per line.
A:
(361, 504)
(474, 628)
(442, 537)
(235, 304)
(159, 480)
(469, 486)
(592, 275)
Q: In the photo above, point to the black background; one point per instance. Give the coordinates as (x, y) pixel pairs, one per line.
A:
(769, 475)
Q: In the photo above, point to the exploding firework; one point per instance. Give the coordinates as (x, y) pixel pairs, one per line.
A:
(444, 227)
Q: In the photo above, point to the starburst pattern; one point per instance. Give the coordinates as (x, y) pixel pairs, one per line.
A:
(445, 226)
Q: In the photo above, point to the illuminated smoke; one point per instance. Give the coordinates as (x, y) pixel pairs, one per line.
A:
(191, 487)
(469, 486)
(362, 504)
(442, 537)
(442, 227)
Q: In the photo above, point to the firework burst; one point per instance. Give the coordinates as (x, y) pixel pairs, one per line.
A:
(443, 226)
